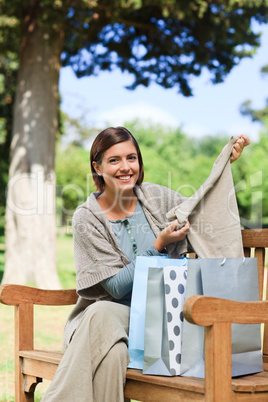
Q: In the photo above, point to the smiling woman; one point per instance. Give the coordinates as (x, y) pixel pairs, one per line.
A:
(120, 171)
(105, 142)
(117, 167)
(123, 219)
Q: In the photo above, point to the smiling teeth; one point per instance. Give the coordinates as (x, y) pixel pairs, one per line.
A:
(124, 177)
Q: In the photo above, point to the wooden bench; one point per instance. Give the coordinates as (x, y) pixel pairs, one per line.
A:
(216, 315)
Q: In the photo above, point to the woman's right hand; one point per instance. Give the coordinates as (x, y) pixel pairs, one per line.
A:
(171, 235)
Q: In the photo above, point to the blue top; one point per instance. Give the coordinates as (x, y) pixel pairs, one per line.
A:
(135, 237)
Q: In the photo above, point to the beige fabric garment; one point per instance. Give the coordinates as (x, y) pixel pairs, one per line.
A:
(213, 213)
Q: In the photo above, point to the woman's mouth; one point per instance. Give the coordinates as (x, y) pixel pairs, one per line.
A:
(124, 178)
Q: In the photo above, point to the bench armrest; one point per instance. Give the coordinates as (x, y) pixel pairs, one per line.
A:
(206, 311)
(13, 295)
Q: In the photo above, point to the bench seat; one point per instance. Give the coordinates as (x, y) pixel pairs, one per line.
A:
(216, 315)
(38, 364)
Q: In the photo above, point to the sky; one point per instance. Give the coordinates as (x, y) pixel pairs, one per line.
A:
(212, 110)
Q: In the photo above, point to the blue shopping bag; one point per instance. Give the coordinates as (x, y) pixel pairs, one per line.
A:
(138, 304)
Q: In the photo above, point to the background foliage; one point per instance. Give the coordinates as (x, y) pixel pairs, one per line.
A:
(173, 159)
(156, 41)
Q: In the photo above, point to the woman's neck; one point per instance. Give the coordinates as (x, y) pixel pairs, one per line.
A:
(118, 206)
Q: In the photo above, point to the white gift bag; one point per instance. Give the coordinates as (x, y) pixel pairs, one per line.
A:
(164, 320)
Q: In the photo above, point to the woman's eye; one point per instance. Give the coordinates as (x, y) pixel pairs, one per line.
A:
(133, 158)
(113, 160)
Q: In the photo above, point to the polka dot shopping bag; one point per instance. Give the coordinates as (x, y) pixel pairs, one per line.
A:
(164, 320)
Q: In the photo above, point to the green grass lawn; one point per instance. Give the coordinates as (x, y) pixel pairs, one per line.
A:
(49, 321)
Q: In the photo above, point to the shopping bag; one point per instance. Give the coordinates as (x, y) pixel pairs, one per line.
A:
(232, 279)
(138, 304)
(164, 320)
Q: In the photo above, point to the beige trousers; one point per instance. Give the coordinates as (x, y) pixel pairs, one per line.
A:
(93, 368)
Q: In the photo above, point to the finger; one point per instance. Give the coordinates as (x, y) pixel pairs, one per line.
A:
(186, 230)
(172, 226)
(235, 155)
(243, 141)
(238, 145)
(183, 231)
(246, 140)
(186, 227)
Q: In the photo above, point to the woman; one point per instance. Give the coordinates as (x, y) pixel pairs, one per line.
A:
(125, 218)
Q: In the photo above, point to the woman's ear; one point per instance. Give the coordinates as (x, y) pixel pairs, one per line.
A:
(97, 168)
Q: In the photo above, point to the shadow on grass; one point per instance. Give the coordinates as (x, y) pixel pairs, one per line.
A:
(2, 264)
(2, 249)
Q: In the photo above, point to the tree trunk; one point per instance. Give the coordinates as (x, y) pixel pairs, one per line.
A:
(30, 212)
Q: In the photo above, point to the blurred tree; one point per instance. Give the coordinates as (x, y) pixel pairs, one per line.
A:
(73, 177)
(74, 182)
(251, 184)
(8, 75)
(160, 41)
(253, 200)
(257, 115)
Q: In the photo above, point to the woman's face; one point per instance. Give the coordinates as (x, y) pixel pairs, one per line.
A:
(119, 167)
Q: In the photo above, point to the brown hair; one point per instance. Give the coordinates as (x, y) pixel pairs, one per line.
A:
(106, 139)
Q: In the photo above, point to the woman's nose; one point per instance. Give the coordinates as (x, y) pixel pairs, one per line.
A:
(124, 165)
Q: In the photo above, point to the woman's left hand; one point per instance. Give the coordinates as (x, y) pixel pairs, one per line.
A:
(238, 147)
